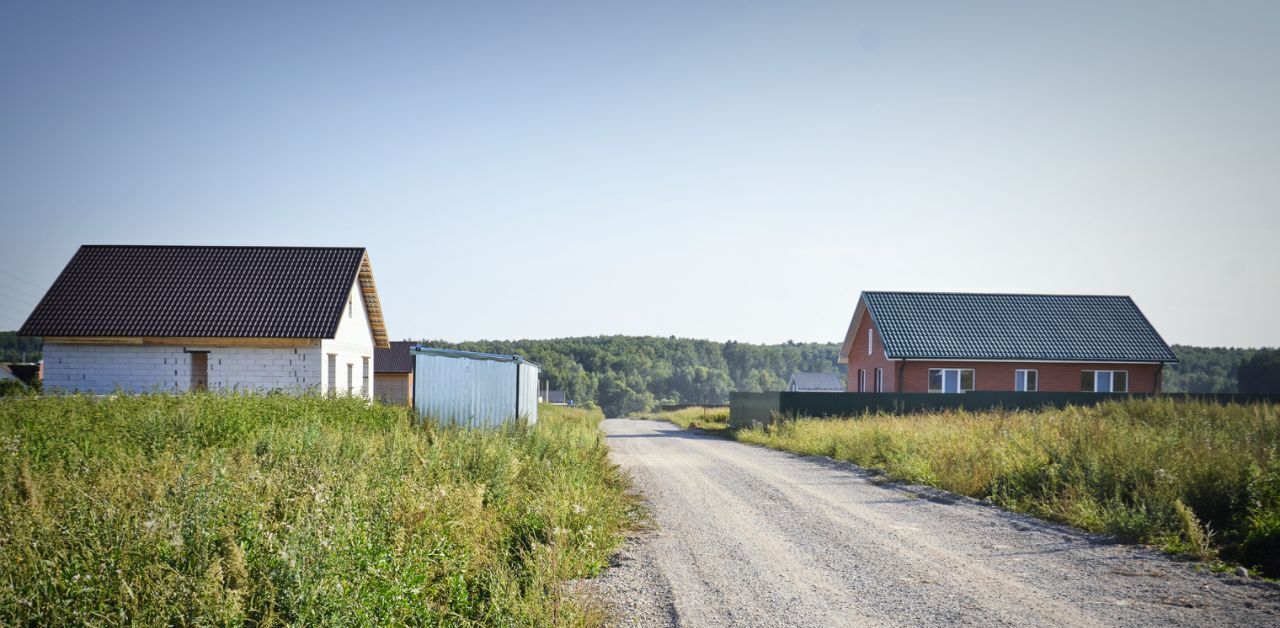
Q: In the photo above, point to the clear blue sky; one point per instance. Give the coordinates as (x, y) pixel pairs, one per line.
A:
(728, 170)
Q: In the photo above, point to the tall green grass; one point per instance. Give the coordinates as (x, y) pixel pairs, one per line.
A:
(710, 419)
(1188, 476)
(267, 510)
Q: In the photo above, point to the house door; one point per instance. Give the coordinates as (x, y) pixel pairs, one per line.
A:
(199, 370)
(951, 381)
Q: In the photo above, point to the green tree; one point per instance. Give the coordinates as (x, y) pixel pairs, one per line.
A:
(1260, 374)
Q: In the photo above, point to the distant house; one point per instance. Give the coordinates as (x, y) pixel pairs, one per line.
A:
(179, 318)
(6, 375)
(815, 382)
(27, 373)
(393, 373)
(554, 397)
(954, 343)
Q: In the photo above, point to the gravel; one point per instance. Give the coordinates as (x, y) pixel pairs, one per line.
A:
(747, 536)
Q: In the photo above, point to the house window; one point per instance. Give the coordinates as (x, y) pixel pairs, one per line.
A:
(350, 381)
(879, 380)
(351, 306)
(951, 380)
(862, 380)
(1104, 381)
(333, 373)
(1026, 380)
(870, 340)
(364, 376)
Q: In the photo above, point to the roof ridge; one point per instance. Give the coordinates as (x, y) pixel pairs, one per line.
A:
(978, 326)
(998, 294)
(222, 246)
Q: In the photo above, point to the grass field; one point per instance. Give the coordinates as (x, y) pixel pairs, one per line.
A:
(710, 419)
(1190, 477)
(208, 509)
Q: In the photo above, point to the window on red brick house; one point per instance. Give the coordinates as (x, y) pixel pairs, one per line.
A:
(1104, 381)
(1026, 380)
(951, 380)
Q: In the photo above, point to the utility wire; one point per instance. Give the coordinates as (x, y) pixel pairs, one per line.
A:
(5, 272)
(18, 290)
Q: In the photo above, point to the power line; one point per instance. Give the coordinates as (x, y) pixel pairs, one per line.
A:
(5, 272)
(15, 325)
(17, 300)
(18, 290)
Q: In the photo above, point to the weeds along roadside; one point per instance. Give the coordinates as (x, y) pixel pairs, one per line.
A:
(714, 419)
(1190, 477)
(211, 508)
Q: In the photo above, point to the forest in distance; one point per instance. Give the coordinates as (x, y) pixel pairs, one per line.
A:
(627, 374)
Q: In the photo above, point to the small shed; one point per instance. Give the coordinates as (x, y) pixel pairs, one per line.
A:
(474, 389)
(815, 382)
(393, 373)
(554, 397)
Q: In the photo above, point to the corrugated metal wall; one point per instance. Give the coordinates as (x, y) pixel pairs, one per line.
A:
(473, 392)
(529, 391)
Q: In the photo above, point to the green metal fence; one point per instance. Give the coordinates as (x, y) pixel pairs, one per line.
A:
(748, 409)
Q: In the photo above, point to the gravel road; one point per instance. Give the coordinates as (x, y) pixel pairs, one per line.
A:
(747, 536)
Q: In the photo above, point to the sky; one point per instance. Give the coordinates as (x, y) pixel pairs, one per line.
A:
(725, 170)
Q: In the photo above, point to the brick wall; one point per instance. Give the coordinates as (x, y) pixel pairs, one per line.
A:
(394, 387)
(1053, 376)
(859, 359)
(103, 369)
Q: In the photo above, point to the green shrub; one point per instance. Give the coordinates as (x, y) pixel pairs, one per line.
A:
(711, 419)
(1189, 476)
(223, 509)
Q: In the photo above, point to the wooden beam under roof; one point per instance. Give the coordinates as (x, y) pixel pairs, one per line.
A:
(372, 305)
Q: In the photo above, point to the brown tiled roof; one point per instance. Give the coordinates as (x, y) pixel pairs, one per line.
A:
(396, 359)
(202, 291)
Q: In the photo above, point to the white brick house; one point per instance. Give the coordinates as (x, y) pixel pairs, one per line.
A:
(178, 318)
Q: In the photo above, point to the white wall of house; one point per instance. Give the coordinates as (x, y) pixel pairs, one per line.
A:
(104, 369)
(351, 345)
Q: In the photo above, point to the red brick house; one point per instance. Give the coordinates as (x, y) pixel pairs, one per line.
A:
(919, 342)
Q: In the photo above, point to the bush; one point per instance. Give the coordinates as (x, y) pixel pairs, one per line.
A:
(1191, 477)
(711, 419)
(222, 509)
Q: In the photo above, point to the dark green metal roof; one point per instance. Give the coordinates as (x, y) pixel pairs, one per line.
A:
(961, 326)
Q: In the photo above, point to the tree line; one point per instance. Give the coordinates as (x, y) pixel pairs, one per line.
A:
(624, 374)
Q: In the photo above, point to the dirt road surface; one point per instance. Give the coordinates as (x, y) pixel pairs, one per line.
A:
(747, 536)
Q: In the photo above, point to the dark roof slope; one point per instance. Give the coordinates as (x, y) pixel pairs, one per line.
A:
(917, 325)
(199, 291)
(396, 359)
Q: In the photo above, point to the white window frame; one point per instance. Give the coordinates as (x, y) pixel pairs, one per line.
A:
(351, 368)
(959, 380)
(1016, 372)
(364, 375)
(862, 380)
(1112, 380)
(871, 340)
(333, 373)
(879, 379)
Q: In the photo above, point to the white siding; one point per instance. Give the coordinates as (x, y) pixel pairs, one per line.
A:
(104, 369)
(352, 343)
